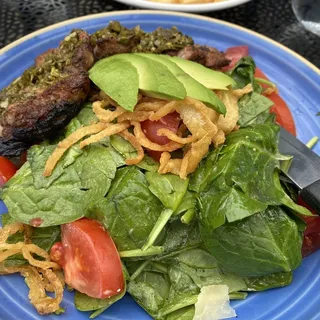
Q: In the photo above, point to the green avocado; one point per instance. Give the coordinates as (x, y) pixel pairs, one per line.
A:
(209, 78)
(155, 79)
(193, 88)
(107, 76)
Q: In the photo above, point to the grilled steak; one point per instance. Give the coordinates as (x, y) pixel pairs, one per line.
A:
(47, 95)
(205, 55)
(115, 39)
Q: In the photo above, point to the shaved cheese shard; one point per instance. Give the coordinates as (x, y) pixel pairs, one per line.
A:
(213, 304)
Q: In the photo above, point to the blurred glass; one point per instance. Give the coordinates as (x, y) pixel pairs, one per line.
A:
(308, 13)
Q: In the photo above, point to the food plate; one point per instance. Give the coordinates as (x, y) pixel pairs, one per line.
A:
(298, 82)
(203, 7)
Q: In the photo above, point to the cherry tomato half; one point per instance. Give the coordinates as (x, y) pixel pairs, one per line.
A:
(7, 170)
(283, 114)
(89, 258)
(150, 129)
(235, 54)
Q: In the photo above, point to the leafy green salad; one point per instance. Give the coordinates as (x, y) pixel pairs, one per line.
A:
(229, 224)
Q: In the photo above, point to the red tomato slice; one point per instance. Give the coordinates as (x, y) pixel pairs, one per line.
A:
(7, 170)
(311, 240)
(283, 114)
(89, 258)
(150, 129)
(235, 54)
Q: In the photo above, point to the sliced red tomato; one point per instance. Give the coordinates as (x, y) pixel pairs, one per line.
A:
(283, 114)
(89, 258)
(7, 170)
(235, 54)
(150, 129)
(311, 240)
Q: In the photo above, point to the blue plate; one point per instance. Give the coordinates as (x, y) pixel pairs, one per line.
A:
(298, 82)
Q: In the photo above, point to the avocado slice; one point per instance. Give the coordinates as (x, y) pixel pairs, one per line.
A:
(209, 78)
(155, 79)
(193, 88)
(108, 75)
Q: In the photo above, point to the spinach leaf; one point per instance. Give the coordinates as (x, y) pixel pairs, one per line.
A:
(181, 278)
(186, 313)
(85, 117)
(85, 303)
(251, 106)
(188, 202)
(130, 210)
(275, 280)
(202, 267)
(128, 151)
(221, 203)
(203, 175)
(42, 237)
(243, 74)
(242, 179)
(179, 237)
(287, 201)
(264, 243)
(65, 196)
(168, 188)
(150, 290)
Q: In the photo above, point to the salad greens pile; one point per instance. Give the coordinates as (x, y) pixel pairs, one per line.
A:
(230, 223)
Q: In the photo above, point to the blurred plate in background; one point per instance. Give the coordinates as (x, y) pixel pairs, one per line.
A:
(201, 7)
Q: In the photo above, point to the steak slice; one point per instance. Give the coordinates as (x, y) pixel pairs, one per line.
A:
(205, 55)
(47, 96)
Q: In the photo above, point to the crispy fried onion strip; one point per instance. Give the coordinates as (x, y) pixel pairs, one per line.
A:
(135, 143)
(68, 142)
(145, 142)
(34, 279)
(39, 275)
(174, 137)
(201, 126)
(110, 130)
(106, 115)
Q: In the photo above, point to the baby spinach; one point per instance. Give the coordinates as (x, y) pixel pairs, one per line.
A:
(188, 202)
(186, 313)
(203, 175)
(265, 243)
(243, 74)
(127, 151)
(130, 210)
(275, 280)
(168, 188)
(241, 180)
(85, 117)
(165, 290)
(85, 303)
(68, 194)
(251, 106)
(179, 237)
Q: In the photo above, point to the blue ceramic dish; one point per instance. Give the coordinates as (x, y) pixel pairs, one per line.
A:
(298, 82)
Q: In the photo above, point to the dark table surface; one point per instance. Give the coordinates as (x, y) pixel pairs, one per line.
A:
(273, 18)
